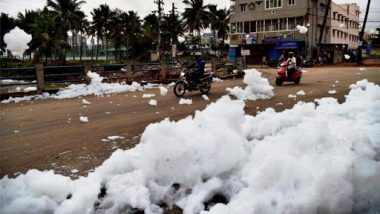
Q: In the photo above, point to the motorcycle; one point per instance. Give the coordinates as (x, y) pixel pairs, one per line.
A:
(282, 75)
(186, 83)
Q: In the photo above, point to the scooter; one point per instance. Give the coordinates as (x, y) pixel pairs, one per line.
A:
(282, 75)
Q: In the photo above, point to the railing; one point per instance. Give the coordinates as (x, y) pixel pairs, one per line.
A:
(15, 80)
(55, 77)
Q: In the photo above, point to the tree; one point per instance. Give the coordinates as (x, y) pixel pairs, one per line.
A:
(67, 15)
(133, 34)
(219, 23)
(102, 18)
(83, 28)
(150, 30)
(46, 40)
(7, 24)
(97, 28)
(117, 32)
(195, 16)
(26, 22)
(171, 28)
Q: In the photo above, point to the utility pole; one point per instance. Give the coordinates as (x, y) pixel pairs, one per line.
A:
(361, 35)
(324, 23)
(159, 3)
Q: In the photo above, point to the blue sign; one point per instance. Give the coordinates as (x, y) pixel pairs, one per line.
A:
(287, 45)
(232, 54)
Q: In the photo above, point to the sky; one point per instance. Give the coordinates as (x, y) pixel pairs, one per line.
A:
(144, 7)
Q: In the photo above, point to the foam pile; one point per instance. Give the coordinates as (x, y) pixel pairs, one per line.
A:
(316, 157)
(96, 87)
(257, 87)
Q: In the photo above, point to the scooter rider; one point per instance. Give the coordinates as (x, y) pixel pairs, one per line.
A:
(199, 66)
(292, 63)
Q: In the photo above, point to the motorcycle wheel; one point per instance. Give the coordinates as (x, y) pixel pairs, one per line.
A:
(279, 81)
(205, 87)
(179, 89)
(297, 80)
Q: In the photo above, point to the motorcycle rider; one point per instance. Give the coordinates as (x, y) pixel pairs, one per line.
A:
(199, 66)
(292, 63)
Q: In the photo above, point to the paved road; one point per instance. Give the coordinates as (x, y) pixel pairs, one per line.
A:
(47, 134)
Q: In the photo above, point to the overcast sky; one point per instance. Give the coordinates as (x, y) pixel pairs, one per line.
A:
(144, 7)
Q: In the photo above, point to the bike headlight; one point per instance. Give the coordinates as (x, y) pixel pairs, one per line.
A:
(182, 74)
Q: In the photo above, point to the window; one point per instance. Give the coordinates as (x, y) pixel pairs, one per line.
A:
(292, 23)
(274, 24)
(243, 7)
(291, 2)
(246, 27)
(268, 25)
(253, 26)
(240, 27)
(323, 8)
(333, 33)
(260, 26)
(272, 4)
(282, 24)
(233, 27)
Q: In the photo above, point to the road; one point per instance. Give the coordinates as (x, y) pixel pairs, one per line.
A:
(47, 134)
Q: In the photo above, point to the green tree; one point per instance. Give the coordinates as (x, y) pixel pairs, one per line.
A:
(219, 20)
(97, 28)
(102, 18)
(133, 34)
(46, 40)
(83, 29)
(67, 14)
(150, 31)
(118, 30)
(171, 28)
(7, 24)
(195, 16)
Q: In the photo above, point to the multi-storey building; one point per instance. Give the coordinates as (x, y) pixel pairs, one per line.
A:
(273, 24)
(345, 24)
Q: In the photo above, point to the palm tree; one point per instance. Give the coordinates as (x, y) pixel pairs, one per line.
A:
(150, 26)
(118, 30)
(7, 24)
(83, 28)
(26, 22)
(46, 40)
(97, 28)
(195, 16)
(67, 15)
(103, 20)
(133, 34)
(171, 28)
(219, 23)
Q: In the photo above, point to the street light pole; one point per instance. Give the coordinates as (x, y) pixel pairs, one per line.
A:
(361, 35)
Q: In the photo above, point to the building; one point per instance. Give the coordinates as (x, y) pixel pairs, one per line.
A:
(273, 25)
(76, 44)
(345, 24)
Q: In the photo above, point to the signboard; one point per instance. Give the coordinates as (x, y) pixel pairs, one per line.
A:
(270, 40)
(232, 55)
(286, 45)
(245, 52)
(235, 39)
